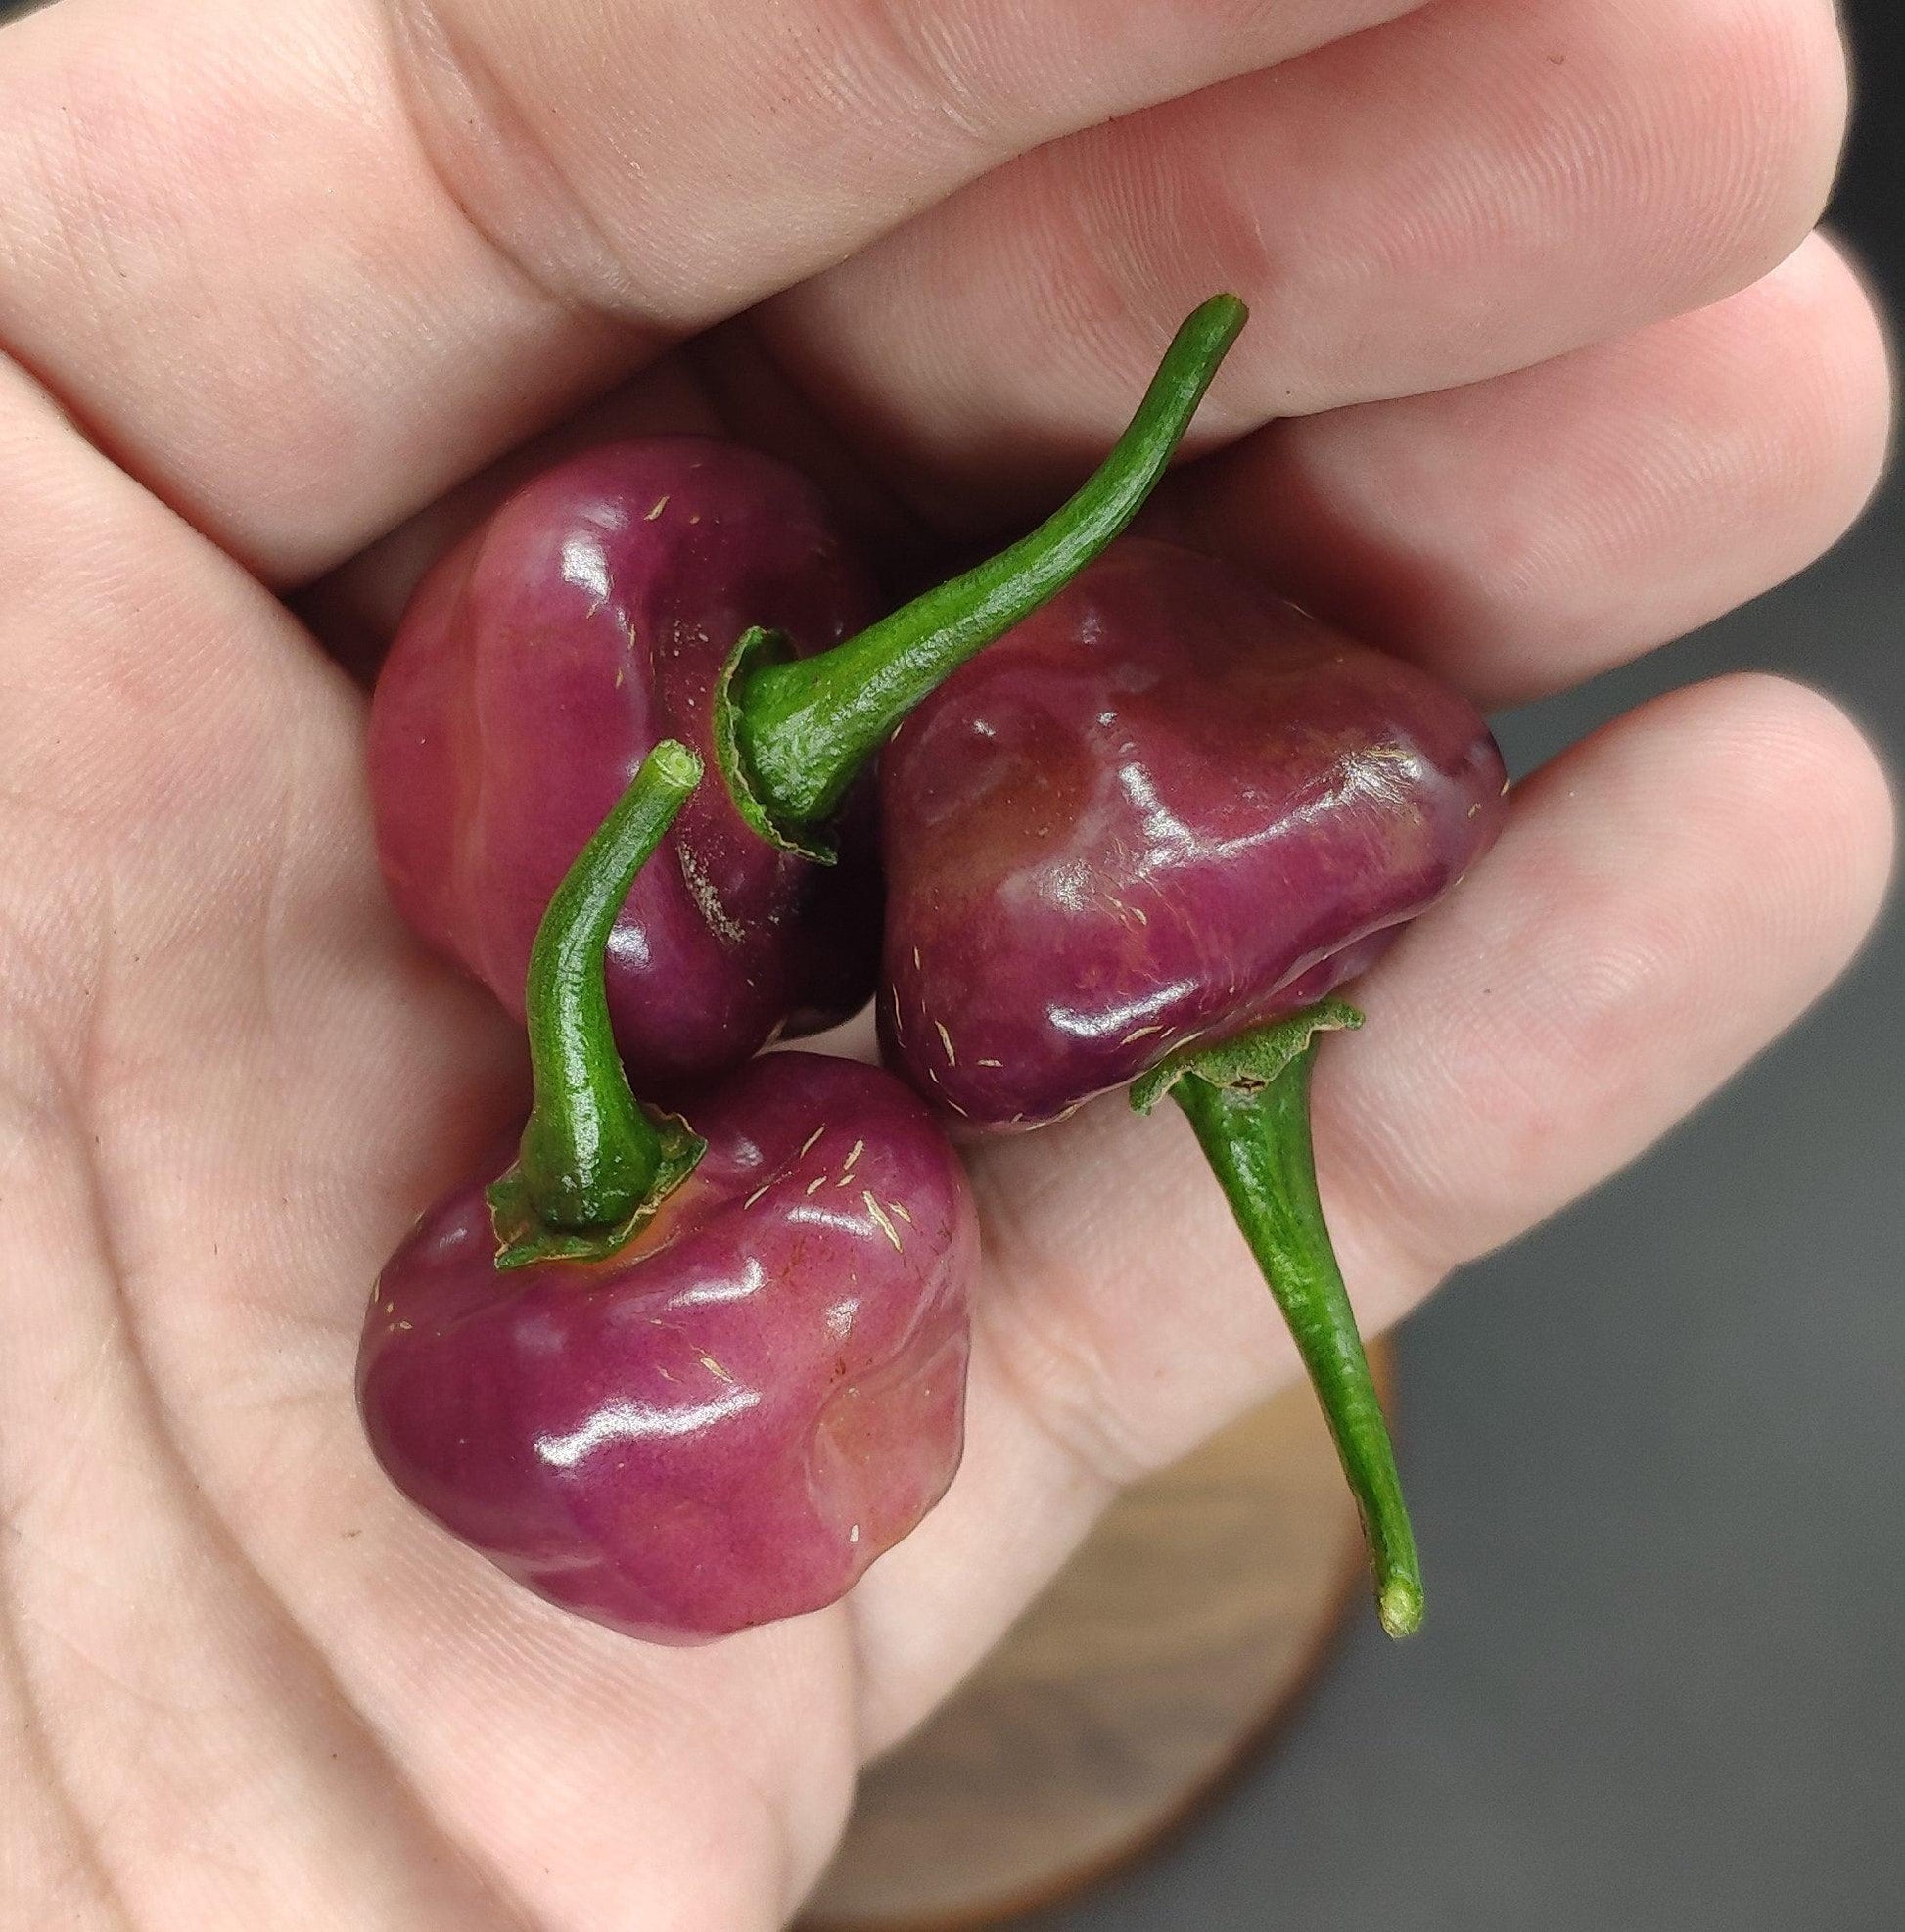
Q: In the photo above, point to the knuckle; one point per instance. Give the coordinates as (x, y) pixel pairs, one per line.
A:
(1064, 1388)
(916, 56)
(507, 173)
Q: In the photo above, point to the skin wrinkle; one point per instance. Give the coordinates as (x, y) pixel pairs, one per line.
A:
(222, 1541)
(37, 1699)
(36, 1729)
(224, 1535)
(1079, 1418)
(84, 227)
(922, 63)
(596, 281)
(284, 361)
(271, 908)
(671, 1707)
(862, 63)
(1808, 89)
(32, 1087)
(1078, 1423)
(787, 1881)
(195, 1493)
(1754, 724)
(35, 1732)
(1389, 1260)
(910, 1661)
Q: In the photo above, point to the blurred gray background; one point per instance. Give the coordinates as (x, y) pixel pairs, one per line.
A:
(1656, 1454)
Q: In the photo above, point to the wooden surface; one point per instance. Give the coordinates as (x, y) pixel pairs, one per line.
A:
(1196, 1611)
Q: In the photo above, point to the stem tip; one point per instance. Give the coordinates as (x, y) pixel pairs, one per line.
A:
(674, 765)
(1399, 1604)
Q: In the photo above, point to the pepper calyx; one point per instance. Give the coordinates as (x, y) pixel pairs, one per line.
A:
(524, 1237)
(757, 648)
(1248, 1061)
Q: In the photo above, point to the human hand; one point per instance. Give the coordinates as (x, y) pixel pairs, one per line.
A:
(276, 281)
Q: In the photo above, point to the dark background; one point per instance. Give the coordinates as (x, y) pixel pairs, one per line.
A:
(1656, 1454)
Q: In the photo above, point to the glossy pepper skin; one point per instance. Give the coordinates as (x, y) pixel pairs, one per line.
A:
(680, 1377)
(725, 1422)
(695, 590)
(587, 620)
(1168, 807)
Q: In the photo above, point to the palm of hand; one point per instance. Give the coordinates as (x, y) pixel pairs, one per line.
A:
(245, 1680)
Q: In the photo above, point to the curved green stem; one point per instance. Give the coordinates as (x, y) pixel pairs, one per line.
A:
(592, 1160)
(793, 734)
(1255, 1133)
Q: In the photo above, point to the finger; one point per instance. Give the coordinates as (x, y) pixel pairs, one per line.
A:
(1516, 535)
(1473, 188)
(302, 270)
(1666, 898)
(1524, 534)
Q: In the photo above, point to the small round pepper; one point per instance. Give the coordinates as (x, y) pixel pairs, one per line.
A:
(1140, 841)
(680, 1377)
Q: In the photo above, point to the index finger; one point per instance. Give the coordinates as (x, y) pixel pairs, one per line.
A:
(300, 270)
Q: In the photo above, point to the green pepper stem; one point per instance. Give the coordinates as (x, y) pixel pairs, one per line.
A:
(804, 727)
(1257, 1140)
(590, 1156)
